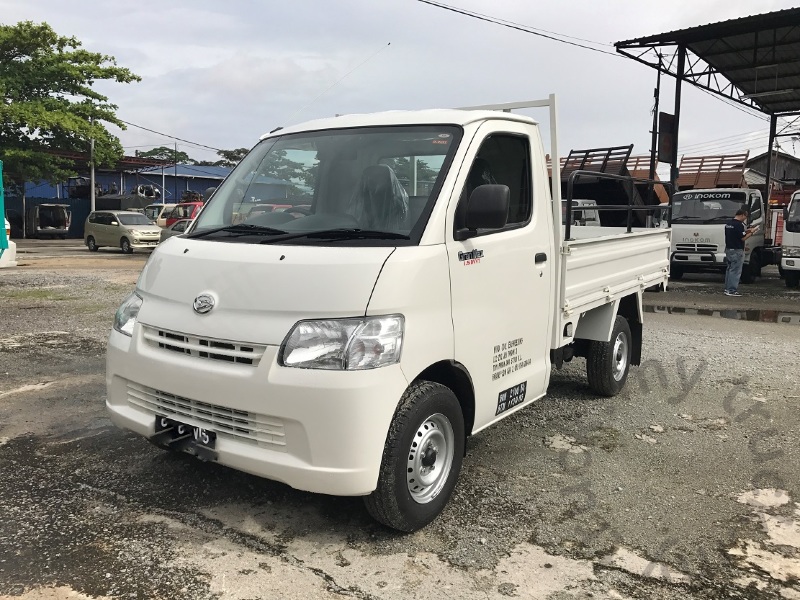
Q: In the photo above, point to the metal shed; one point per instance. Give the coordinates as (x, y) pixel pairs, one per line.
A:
(752, 61)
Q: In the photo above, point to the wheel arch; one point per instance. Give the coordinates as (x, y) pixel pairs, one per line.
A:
(597, 324)
(455, 376)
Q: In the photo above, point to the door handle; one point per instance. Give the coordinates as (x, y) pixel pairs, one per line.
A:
(540, 257)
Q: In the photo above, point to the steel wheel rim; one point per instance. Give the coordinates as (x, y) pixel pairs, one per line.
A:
(620, 356)
(430, 458)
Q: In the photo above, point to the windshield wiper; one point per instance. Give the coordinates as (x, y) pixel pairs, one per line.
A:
(341, 234)
(241, 228)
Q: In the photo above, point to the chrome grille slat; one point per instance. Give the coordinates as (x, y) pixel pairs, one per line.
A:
(233, 352)
(262, 430)
(696, 247)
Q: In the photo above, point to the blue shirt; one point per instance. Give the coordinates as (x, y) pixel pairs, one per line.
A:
(734, 232)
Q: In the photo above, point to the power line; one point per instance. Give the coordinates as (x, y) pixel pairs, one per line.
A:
(172, 137)
(518, 27)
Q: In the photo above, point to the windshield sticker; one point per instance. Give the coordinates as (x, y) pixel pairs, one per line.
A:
(470, 258)
(508, 399)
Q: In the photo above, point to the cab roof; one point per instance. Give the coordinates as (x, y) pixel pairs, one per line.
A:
(448, 116)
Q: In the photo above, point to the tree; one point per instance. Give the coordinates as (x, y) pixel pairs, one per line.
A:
(48, 104)
(165, 153)
(231, 158)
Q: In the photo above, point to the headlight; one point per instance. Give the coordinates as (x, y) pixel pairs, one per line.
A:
(344, 344)
(791, 251)
(126, 315)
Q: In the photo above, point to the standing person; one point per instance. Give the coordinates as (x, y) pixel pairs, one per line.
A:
(735, 236)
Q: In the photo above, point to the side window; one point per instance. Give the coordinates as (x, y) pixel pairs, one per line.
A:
(755, 207)
(502, 159)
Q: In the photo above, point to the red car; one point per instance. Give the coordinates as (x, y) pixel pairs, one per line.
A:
(184, 210)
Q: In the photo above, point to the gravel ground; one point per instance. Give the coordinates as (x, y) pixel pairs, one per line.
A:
(686, 485)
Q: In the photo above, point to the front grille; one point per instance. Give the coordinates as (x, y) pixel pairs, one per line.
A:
(696, 247)
(234, 352)
(257, 429)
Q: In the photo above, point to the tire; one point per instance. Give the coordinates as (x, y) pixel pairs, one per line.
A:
(125, 245)
(752, 270)
(608, 363)
(792, 279)
(676, 273)
(91, 244)
(410, 492)
(781, 272)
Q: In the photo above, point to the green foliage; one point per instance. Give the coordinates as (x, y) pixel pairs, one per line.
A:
(231, 158)
(48, 103)
(166, 153)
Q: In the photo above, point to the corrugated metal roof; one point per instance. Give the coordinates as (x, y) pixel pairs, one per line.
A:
(759, 55)
(190, 171)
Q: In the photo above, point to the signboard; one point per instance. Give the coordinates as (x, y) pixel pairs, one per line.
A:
(666, 137)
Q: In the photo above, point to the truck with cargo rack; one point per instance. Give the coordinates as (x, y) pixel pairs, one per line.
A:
(426, 293)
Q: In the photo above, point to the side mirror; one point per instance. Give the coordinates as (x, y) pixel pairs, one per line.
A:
(785, 214)
(487, 208)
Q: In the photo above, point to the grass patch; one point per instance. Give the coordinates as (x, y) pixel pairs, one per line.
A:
(51, 295)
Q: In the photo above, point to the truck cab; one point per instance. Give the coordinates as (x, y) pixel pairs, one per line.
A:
(698, 231)
(790, 245)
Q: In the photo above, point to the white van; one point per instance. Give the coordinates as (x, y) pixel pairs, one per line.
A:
(157, 213)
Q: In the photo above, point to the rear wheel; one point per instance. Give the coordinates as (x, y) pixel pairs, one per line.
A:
(125, 245)
(792, 278)
(421, 458)
(607, 363)
(91, 244)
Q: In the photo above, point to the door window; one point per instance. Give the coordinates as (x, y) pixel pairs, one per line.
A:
(502, 159)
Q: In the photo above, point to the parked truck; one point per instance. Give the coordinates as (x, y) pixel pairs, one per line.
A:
(698, 231)
(351, 350)
(790, 244)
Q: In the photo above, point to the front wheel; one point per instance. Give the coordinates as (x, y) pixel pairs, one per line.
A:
(608, 363)
(91, 244)
(792, 278)
(421, 458)
(125, 245)
(676, 273)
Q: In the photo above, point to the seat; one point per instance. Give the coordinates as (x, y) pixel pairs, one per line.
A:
(379, 201)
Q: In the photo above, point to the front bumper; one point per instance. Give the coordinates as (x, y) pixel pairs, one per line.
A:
(790, 264)
(140, 243)
(698, 260)
(320, 431)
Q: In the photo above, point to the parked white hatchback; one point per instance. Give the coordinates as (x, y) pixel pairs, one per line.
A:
(126, 230)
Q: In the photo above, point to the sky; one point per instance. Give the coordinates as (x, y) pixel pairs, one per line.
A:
(221, 74)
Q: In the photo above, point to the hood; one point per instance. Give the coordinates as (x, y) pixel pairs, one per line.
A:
(145, 228)
(259, 291)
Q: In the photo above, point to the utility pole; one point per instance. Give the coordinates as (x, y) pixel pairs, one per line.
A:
(91, 170)
(176, 173)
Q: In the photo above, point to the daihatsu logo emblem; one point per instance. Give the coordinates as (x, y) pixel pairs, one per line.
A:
(203, 304)
(697, 234)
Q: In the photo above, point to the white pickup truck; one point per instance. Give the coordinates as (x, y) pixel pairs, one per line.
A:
(419, 292)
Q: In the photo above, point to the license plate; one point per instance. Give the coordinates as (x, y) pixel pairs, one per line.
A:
(175, 431)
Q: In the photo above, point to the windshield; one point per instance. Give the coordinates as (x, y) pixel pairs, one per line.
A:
(134, 219)
(372, 185)
(706, 207)
(793, 215)
(152, 212)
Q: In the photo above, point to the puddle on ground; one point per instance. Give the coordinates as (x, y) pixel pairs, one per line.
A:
(763, 316)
